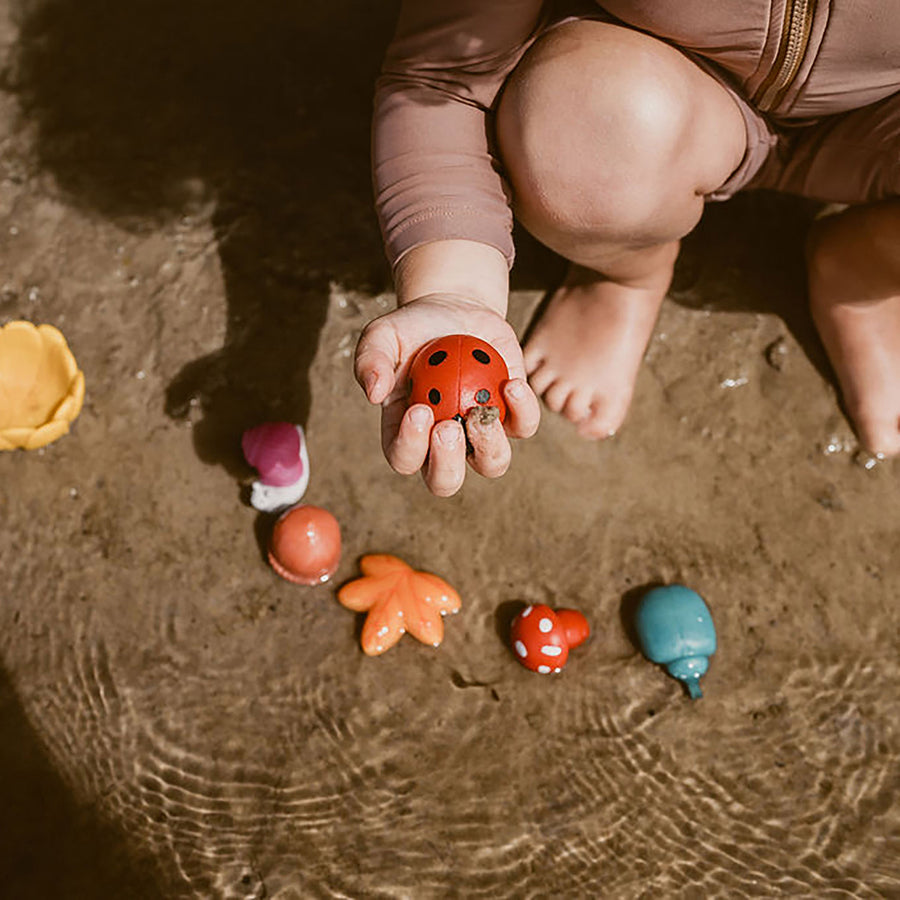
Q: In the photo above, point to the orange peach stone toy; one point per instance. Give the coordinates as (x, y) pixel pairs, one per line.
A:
(398, 599)
(41, 387)
(305, 547)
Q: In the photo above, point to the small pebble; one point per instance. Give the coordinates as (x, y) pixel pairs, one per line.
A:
(836, 444)
(866, 460)
(776, 354)
(348, 308)
(828, 499)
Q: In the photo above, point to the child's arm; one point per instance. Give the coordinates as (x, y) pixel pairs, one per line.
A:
(446, 222)
(436, 176)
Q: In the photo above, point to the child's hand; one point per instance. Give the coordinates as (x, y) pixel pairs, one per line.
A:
(409, 437)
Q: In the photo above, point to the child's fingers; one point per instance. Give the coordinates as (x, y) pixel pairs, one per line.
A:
(405, 435)
(445, 469)
(491, 453)
(375, 374)
(377, 356)
(523, 409)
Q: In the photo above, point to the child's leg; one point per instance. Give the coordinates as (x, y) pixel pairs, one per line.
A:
(854, 258)
(854, 286)
(611, 139)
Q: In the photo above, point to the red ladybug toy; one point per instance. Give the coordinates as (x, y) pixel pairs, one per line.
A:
(453, 374)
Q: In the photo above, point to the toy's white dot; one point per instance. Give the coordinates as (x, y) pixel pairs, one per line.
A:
(545, 625)
(550, 650)
(699, 618)
(443, 612)
(383, 629)
(521, 649)
(543, 669)
(527, 612)
(557, 670)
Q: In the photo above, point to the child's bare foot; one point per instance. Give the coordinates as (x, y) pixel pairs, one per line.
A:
(584, 352)
(854, 285)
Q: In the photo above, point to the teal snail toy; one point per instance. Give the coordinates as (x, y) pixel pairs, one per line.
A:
(676, 630)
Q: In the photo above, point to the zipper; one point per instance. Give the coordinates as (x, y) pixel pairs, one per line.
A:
(798, 16)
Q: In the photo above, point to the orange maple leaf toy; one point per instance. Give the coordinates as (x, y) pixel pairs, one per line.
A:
(398, 599)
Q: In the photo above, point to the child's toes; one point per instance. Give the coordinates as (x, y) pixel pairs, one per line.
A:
(557, 395)
(604, 420)
(533, 358)
(578, 407)
(541, 378)
(881, 434)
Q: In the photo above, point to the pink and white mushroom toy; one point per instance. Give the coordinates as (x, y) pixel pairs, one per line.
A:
(541, 637)
(277, 450)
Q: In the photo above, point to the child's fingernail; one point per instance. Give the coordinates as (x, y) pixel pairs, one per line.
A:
(371, 381)
(419, 417)
(448, 436)
(516, 389)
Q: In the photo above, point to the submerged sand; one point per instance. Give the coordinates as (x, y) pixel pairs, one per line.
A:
(184, 193)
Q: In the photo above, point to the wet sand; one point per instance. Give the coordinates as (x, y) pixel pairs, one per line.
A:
(184, 193)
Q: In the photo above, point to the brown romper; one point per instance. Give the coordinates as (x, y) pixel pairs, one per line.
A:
(816, 81)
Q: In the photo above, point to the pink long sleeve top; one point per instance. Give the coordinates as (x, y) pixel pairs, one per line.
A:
(435, 172)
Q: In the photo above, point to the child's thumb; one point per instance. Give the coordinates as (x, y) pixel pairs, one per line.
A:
(374, 371)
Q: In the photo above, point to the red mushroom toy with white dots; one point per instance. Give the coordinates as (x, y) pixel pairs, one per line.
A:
(541, 637)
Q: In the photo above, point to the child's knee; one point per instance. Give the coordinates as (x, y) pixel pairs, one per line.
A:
(841, 248)
(596, 140)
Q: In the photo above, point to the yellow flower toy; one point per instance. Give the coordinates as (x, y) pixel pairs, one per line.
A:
(41, 387)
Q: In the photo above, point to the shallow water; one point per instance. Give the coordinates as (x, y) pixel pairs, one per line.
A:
(225, 724)
(178, 722)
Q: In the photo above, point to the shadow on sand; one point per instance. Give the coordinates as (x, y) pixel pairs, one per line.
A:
(54, 846)
(146, 109)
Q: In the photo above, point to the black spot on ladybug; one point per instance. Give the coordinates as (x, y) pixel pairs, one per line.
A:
(483, 396)
(434, 396)
(437, 357)
(481, 356)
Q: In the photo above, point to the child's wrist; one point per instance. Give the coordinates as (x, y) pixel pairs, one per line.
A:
(467, 270)
(497, 305)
